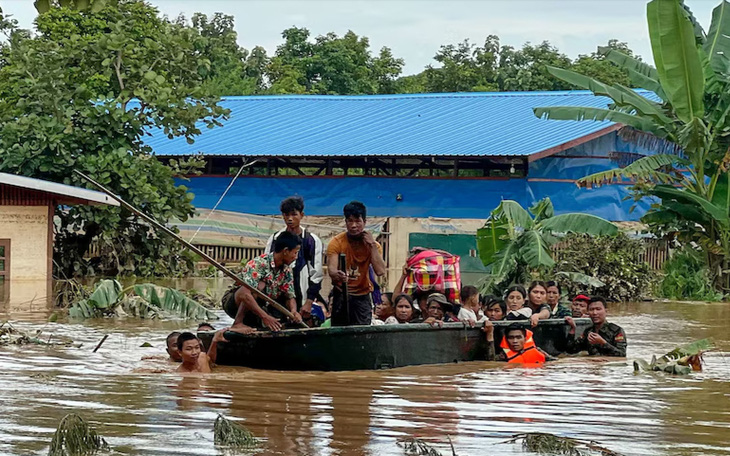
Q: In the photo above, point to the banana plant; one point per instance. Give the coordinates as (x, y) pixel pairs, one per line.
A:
(148, 302)
(514, 241)
(688, 106)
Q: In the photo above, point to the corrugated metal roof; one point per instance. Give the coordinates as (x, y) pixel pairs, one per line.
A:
(77, 193)
(450, 124)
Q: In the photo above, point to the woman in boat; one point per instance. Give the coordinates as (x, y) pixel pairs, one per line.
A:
(515, 301)
(384, 309)
(404, 311)
(537, 293)
(496, 310)
(557, 308)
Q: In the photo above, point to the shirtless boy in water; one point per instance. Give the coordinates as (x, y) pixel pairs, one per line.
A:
(194, 359)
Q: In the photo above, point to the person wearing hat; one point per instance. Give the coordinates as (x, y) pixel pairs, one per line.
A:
(438, 310)
(579, 307)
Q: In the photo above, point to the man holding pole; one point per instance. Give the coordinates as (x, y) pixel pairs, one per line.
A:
(352, 303)
(271, 274)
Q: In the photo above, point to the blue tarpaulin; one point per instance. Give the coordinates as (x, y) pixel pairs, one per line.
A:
(421, 197)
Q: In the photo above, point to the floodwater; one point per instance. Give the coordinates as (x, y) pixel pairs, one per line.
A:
(478, 405)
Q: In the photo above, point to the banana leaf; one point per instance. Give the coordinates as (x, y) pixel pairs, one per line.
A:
(173, 301)
(676, 57)
(695, 348)
(136, 306)
(598, 114)
(622, 98)
(717, 45)
(718, 214)
(644, 169)
(645, 82)
(505, 261)
(534, 250)
(543, 209)
(106, 294)
(491, 239)
(515, 215)
(82, 309)
(629, 63)
(579, 223)
(105, 297)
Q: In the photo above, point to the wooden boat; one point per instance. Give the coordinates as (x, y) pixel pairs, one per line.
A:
(374, 347)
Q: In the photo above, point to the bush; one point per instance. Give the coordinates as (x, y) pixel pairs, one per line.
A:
(614, 260)
(687, 276)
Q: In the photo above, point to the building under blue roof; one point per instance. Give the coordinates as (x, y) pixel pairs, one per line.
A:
(449, 124)
(442, 155)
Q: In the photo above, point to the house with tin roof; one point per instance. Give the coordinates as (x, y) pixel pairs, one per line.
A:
(413, 159)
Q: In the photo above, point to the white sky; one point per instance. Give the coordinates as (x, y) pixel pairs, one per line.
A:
(415, 29)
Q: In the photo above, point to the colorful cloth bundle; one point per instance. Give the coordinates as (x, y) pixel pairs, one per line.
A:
(433, 270)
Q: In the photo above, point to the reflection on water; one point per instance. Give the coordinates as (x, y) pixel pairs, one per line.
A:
(479, 405)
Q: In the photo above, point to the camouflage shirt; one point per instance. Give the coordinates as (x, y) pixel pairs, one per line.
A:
(613, 334)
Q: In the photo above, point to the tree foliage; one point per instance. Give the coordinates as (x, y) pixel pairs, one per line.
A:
(514, 243)
(616, 261)
(693, 85)
(81, 93)
(493, 67)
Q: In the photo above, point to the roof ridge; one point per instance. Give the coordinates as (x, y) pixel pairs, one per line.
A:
(397, 96)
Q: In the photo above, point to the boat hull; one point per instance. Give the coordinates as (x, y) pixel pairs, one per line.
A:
(374, 347)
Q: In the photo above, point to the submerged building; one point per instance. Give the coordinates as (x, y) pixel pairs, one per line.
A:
(429, 167)
(27, 208)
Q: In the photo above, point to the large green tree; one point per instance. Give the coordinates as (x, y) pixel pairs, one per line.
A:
(689, 113)
(233, 70)
(331, 65)
(492, 67)
(82, 93)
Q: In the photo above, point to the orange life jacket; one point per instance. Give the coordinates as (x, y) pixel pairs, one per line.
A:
(530, 354)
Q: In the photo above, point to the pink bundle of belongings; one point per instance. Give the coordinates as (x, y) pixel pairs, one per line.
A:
(433, 270)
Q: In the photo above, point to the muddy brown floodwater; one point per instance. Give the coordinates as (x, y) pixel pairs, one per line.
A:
(479, 405)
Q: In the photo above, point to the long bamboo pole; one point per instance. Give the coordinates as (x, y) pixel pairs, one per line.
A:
(191, 247)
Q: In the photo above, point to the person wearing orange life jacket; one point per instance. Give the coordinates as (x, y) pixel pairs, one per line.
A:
(517, 346)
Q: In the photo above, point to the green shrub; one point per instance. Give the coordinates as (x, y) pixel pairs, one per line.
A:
(614, 260)
(687, 276)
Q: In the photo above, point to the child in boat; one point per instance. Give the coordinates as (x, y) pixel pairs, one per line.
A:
(515, 300)
(470, 309)
(404, 310)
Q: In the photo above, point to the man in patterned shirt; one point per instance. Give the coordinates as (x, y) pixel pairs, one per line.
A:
(271, 274)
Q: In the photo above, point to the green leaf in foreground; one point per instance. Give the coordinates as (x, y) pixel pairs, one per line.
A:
(174, 301)
(74, 437)
(680, 361)
(230, 434)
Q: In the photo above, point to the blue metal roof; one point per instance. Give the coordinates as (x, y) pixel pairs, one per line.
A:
(448, 124)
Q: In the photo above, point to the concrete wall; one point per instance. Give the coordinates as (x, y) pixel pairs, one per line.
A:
(27, 228)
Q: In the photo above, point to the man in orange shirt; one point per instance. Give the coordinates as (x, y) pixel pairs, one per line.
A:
(361, 252)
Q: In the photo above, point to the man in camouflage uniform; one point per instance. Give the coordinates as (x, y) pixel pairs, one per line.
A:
(601, 339)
